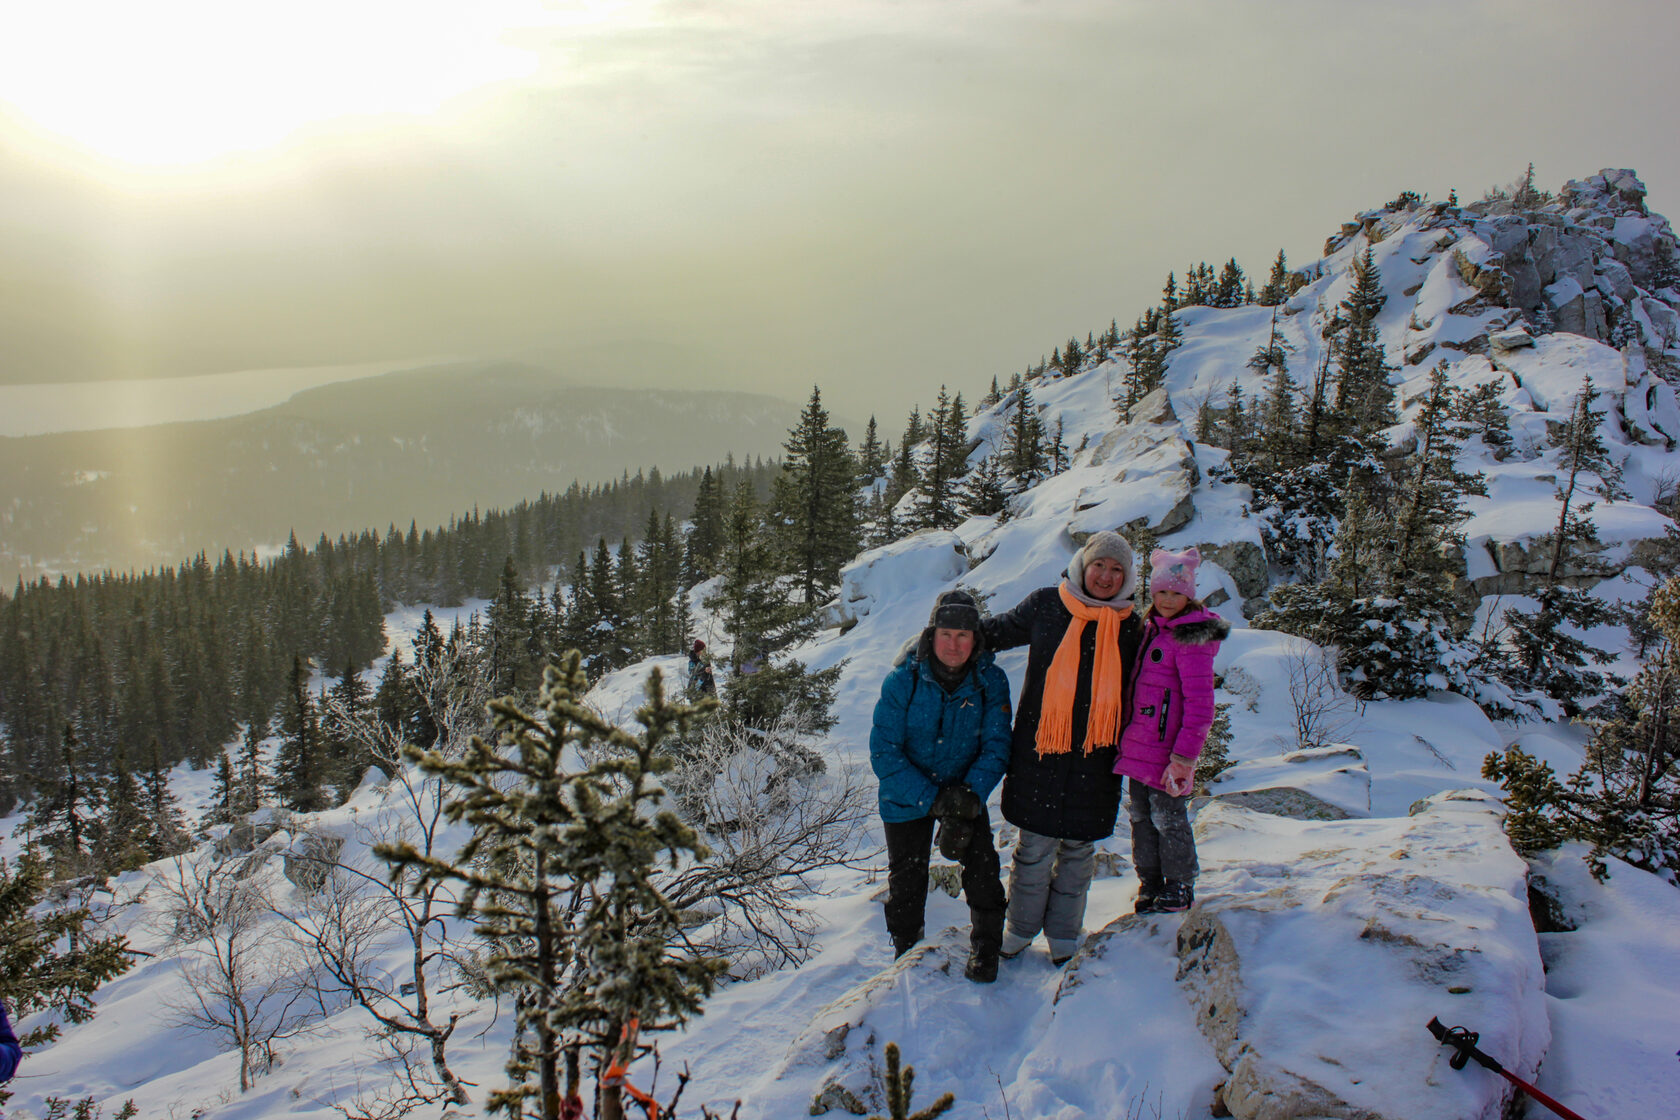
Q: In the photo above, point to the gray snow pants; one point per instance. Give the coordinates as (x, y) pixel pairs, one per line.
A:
(1048, 883)
(1163, 847)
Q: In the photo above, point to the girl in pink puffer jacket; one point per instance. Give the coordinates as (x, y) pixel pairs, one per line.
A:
(1167, 724)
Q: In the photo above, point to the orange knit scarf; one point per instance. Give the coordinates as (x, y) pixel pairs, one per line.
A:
(1055, 720)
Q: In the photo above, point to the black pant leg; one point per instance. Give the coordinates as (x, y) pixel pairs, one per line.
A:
(982, 885)
(909, 845)
(1146, 839)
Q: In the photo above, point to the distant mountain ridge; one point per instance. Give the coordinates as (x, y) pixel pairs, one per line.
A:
(418, 445)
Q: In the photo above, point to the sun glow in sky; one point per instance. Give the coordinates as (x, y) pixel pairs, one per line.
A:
(877, 196)
(169, 82)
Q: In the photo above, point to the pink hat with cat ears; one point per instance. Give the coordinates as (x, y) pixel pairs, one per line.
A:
(1174, 571)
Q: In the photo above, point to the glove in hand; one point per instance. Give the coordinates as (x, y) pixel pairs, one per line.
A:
(955, 835)
(957, 801)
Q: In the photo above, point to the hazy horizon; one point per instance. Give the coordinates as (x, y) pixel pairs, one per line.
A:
(875, 197)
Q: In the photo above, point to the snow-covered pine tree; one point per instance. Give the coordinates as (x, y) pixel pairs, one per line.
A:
(1023, 444)
(1228, 292)
(947, 462)
(224, 795)
(1625, 798)
(604, 642)
(901, 478)
(759, 613)
(984, 493)
(1428, 545)
(1364, 398)
(1055, 446)
(1387, 602)
(561, 877)
(1544, 651)
(50, 955)
(1479, 407)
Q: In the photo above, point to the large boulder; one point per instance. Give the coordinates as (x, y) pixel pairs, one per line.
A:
(1243, 561)
(1155, 486)
(881, 574)
(1319, 952)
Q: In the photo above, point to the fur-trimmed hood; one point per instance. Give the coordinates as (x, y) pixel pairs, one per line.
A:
(1196, 628)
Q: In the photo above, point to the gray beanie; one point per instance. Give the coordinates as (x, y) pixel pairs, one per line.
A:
(955, 610)
(1105, 545)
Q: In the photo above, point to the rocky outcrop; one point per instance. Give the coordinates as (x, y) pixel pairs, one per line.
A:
(1581, 263)
(1155, 487)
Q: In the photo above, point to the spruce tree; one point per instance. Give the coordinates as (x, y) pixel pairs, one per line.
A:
(813, 505)
(947, 461)
(1432, 489)
(561, 877)
(1229, 290)
(126, 829)
(66, 817)
(166, 834)
(1545, 651)
(507, 627)
(872, 454)
(758, 612)
(984, 493)
(348, 702)
(1364, 398)
(705, 538)
(224, 795)
(300, 761)
(51, 957)
(1023, 448)
(1276, 289)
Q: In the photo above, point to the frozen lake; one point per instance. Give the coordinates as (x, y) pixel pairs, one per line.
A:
(80, 406)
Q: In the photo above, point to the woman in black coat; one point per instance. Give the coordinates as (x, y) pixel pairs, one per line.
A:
(1061, 790)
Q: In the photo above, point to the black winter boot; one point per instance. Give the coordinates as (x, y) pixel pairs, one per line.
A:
(985, 937)
(1178, 895)
(902, 945)
(1149, 894)
(982, 963)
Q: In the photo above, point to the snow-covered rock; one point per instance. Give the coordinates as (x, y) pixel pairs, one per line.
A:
(932, 556)
(1320, 951)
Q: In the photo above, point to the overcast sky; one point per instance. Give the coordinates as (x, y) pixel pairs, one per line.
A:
(874, 196)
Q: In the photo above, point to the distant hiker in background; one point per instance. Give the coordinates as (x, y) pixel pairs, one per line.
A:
(1061, 790)
(939, 745)
(1171, 712)
(700, 679)
(10, 1052)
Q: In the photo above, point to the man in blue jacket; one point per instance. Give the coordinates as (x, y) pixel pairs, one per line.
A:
(939, 747)
(10, 1052)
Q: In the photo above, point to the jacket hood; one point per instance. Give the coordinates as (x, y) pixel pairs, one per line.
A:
(1195, 627)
